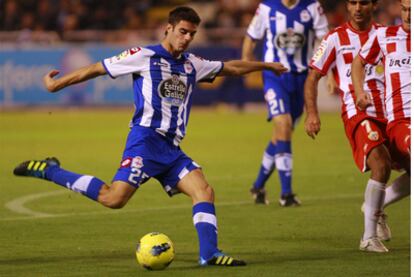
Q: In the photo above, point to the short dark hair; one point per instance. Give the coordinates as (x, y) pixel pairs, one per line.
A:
(183, 13)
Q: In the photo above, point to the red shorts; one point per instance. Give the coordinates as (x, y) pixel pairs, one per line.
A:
(399, 134)
(364, 134)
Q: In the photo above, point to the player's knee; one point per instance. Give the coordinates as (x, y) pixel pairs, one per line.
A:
(114, 202)
(283, 127)
(384, 170)
(210, 193)
(118, 204)
(205, 194)
(380, 166)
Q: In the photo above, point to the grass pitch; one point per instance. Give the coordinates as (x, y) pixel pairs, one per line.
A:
(49, 231)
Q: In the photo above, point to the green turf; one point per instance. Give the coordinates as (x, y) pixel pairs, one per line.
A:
(77, 237)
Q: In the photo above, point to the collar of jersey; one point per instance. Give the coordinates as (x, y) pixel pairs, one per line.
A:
(357, 31)
(163, 52)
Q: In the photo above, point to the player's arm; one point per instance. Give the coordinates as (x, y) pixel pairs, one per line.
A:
(312, 120)
(370, 53)
(363, 100)
(248, 47)
(239, 67)
(74, 77)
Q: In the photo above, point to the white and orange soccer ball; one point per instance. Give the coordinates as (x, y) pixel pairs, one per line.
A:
(155, 251)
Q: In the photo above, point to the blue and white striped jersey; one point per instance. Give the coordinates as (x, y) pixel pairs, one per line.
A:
(290, 32)
(162, 86)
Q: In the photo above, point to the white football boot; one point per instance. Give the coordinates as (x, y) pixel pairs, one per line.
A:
(372, 245)
(383, 230)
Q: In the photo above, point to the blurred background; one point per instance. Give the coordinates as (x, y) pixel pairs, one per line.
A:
(39, 35)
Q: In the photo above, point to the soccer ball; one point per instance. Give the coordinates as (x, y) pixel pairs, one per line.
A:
(155, 251)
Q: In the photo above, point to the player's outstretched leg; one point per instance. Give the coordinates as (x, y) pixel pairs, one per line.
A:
(204, 217)
(49, 169)
(268, 165)
(36, 168)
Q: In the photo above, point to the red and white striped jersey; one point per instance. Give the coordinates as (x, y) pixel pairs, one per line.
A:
(393, 46)
(337, 51)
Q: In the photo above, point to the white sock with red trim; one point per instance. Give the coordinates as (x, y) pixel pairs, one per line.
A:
(399, 189)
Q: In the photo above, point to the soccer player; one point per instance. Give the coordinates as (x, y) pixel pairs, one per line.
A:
(365, 130)
(290, 27)
(392, 44)
(163, 80)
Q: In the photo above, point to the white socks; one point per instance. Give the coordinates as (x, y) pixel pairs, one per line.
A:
(400, 188)
(374, 199)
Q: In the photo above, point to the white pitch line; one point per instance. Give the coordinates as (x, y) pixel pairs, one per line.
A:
(17, 206)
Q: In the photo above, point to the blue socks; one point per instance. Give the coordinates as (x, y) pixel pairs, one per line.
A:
(84, 184)
(283, 160)
(205, 222)
(267, 167)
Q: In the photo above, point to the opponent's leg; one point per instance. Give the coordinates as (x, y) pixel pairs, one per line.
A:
(204, 217)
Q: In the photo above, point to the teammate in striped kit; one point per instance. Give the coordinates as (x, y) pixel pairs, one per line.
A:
(365, 129)
(163, 80)
(288, 28)
(393, 45)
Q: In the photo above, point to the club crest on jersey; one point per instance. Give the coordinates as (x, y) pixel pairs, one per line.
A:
(188, 67)
(290, 41)
(173, 90)
(305, 16)
(379, 70)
